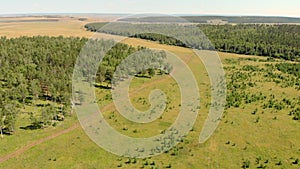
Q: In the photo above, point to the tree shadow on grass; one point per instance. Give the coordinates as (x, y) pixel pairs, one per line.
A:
(31, 127)
(142, 76)
(102, 86)
(7, 133)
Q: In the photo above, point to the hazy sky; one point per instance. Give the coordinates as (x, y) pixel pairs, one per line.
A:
(221, 7)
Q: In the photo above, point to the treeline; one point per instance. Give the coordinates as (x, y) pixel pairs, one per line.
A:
(93, 27)
(206, 19)
(243, 19)
(118, 61)
(278, 41)
(161, 39)
(39, 70)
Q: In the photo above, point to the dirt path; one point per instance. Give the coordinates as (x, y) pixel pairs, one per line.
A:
(27, 147)
(35, 143)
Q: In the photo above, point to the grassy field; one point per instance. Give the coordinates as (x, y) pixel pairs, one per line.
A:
(65, 26)
(267, 138)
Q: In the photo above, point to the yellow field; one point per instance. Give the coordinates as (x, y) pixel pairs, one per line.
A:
(65, 26)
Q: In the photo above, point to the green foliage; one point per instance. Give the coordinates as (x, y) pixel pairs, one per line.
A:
(41, 68)
(278, 41)
(160, 38)
(246, 164)
(226, 19)
(141, 63)
(295, 113)
(8, 113)
(151, 72)
(95, 26)
(290, 68)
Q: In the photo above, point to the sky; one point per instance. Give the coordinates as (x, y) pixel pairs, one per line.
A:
(202, 7)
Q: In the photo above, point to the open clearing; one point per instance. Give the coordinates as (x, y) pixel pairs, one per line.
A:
(65, 26)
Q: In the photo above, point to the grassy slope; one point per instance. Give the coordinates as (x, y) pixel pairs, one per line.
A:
(271, 139)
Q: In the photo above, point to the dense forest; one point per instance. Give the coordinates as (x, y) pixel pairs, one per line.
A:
(243, 19)
(278, 41)
(35, 69)
(206, 19)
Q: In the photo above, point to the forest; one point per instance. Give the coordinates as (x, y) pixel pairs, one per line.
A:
(227, 19)
(37, 71)
(278, 41)
(36, 83)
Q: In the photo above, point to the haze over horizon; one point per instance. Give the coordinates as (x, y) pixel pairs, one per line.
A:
(287, 8)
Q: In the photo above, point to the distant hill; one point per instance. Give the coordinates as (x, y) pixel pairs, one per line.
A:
(217, 19)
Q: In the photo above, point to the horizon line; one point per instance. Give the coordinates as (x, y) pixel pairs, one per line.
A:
(178, 14)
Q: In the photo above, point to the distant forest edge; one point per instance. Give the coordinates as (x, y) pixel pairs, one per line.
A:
(218, 19)
(277, 41)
